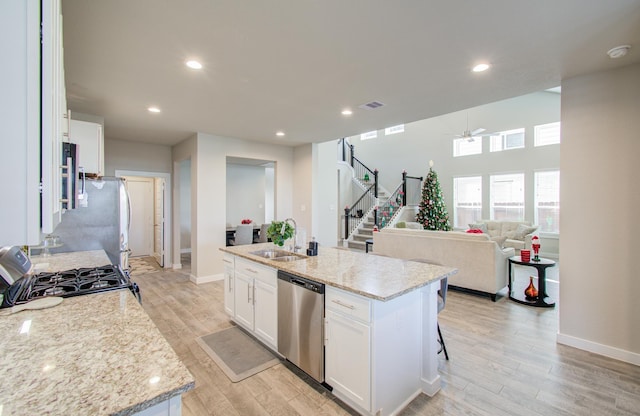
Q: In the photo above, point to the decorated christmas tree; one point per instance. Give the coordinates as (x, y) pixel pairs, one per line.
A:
(432, 213)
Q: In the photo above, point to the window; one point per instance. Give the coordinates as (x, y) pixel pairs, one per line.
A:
(393, 130)
(507, 197)
(369, 135)
(467, 200)
(466, 147)
(510, 139)
(547, 202)
(546, 134)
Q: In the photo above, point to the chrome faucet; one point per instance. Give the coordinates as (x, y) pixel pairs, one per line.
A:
(295, 248)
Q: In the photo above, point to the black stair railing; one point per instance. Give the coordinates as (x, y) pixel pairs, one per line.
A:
(407, 193)
(355, 213)
(369, 178)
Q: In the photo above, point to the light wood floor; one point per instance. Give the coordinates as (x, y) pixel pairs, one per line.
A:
(503, 361)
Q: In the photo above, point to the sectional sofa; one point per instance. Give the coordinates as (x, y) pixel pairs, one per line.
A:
(482, 264)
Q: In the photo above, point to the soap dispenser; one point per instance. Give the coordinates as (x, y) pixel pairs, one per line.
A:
(313, 247)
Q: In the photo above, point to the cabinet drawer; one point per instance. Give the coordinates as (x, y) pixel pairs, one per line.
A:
(228, 260)
(258, 271)
(348, 304)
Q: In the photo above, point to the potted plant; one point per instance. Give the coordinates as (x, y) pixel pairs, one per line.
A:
(279, 231)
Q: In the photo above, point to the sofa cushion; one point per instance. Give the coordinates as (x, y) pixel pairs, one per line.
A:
(480, 226)
(522, 231)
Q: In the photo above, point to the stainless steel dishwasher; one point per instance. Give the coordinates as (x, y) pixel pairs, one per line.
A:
(300, 323)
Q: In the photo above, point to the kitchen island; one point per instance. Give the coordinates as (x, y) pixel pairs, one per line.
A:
(96, 354)
(380, 319)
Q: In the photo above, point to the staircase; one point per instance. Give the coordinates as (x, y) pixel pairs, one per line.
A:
(365, 229)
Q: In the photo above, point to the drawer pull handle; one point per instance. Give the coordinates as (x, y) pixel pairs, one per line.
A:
(226, 261)
(251, 270)
(343, 304)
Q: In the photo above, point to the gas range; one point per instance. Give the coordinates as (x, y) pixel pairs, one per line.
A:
(69, 283)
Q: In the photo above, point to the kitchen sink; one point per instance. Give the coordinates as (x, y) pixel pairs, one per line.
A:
(269, 254)
(278, 255)
(288, 258)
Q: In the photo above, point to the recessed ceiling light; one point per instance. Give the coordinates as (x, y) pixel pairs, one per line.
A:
(480, 67)
(280, 133)
(346, 112)
(194, 64)
(618, 51)
(153, 109)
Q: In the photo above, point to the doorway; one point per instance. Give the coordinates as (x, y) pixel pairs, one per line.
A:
(141, 194)
(149, 228)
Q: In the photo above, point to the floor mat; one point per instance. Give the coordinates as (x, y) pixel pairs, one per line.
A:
(237, 354)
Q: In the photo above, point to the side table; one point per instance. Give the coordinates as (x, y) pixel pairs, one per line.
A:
(542, 301)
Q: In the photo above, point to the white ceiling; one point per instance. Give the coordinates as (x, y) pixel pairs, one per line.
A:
(293, 65)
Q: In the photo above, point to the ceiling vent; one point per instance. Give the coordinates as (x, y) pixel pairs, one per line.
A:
(371, 105)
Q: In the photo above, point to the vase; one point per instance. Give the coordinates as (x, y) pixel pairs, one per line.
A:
(531, 292)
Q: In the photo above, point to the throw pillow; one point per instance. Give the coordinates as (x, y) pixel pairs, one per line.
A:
(481, 226)
(474, 231)
(401, 224)
(522, 231)
(499, 240)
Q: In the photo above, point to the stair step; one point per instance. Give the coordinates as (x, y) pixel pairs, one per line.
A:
(361, 238)
(357, 245)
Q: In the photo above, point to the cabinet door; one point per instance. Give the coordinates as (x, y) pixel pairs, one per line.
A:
(266, 313)
(88, 136)
(20, 120)
(347, 358)
(243, 294)
(229, 298)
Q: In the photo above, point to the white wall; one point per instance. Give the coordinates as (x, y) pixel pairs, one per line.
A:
(325, 209)
(245, 195)
(185, 205)
(600, 194)
(143, 157)
(303, 185)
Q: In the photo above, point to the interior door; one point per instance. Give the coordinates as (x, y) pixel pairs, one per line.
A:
(141, 231)
(158, 221)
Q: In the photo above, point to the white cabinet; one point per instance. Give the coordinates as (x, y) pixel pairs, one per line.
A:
(348, 346)
(255, 297)
(229, 284)
(347, 357)
(266, 311)
(30, 152)
(89, 138)
(244, 300)
(373, 350)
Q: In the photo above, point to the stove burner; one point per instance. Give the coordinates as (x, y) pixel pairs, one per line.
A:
(53, 291)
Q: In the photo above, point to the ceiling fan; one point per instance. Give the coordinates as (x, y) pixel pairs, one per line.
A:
(469, 134)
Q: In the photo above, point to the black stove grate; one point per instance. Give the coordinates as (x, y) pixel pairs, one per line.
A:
(69, 283)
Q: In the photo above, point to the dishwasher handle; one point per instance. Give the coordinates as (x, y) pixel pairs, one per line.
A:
(298, 282)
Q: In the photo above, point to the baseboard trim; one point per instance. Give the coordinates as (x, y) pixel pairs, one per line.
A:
(177, 266)
(206, 279)
(430, 388)
(600, 349)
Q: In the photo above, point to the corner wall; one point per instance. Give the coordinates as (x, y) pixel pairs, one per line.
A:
(208, 154)
(600, 194)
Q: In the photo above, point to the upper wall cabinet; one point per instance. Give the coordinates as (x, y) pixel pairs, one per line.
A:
(88, 136)
(30, 160)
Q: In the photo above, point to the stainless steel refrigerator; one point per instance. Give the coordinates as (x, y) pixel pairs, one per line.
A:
(99, 221)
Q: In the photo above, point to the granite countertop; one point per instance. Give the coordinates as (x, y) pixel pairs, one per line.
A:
(375, 277)
(97, 354)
